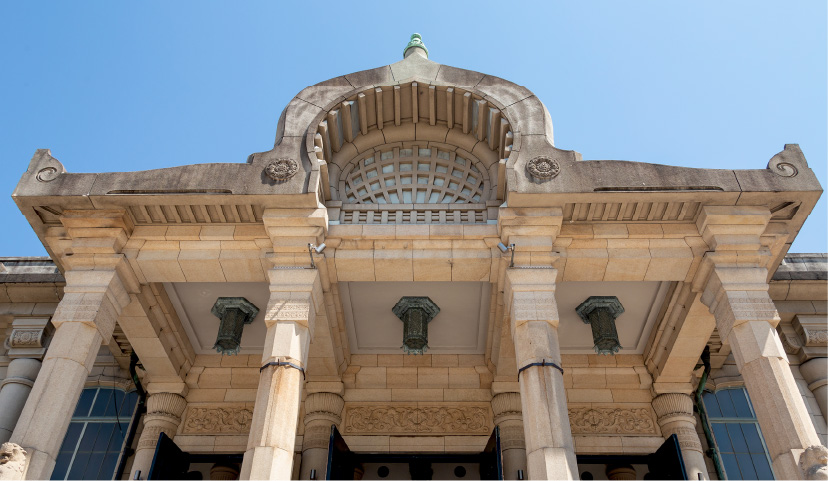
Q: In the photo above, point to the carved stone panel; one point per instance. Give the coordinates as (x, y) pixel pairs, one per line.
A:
(612, 419)
(420, 418)
(218, 418)
(29, 337)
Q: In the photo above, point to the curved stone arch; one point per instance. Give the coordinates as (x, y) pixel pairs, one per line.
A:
(413, 112)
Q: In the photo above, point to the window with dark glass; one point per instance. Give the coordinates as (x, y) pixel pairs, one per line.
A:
(96, 434)
(737, 435)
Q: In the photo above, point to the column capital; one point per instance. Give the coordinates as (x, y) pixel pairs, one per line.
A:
(29, 337)
(671, 407)
(324, 406)
(506, 407)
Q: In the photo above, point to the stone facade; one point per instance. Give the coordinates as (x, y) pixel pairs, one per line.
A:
(411, 175)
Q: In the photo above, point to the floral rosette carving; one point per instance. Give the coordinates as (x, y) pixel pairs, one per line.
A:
(543, 168)
(281, 169)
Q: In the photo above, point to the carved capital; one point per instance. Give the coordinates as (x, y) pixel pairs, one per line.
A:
(675, 416)
(673, 407)
(167, 405)
(812, 329)
(29, 338)
(324, 406)
(506, 406)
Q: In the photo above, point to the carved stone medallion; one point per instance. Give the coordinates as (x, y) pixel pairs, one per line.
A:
(543, 168)
(281, 169)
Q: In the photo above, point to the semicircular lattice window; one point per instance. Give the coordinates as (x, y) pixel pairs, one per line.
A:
(417, 175)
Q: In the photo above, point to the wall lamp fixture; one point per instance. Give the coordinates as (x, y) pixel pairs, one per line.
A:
(314, 248)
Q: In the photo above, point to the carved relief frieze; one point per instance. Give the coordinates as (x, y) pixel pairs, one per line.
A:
(466, 418)
(223, 418)
(591, 419)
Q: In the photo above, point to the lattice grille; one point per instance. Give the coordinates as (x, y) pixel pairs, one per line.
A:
(415, 176)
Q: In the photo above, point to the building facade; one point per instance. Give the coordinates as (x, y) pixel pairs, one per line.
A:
(414, 283)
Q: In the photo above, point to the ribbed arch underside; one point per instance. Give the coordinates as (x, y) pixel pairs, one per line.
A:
(413, 154)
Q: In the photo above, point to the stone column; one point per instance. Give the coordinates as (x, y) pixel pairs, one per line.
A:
(27, 346)
(295, 297)
(322, 409)
(621, 472)
(221, 471)
(815, 373)
(733, 282)
(164, 411)
(675, 416)
(84, 318)
(508, 417)
(533, 315)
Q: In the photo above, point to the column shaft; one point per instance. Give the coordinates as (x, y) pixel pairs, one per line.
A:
(295, 297)
(507, 416)
(815, 373)
(84, 318)
(746, 317)
(322, 410)
(550, 450)
(675, 416)
(164, 412)
(14, 391)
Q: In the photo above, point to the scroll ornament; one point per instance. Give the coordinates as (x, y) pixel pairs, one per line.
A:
(595, 420)
(206, 420)
(418, 420)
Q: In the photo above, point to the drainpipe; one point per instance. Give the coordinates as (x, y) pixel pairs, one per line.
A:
(133, 427)
(712, 452)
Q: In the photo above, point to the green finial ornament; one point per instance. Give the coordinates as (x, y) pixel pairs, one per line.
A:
(415, 42)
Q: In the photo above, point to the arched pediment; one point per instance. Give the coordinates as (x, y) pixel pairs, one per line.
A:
(413, 145)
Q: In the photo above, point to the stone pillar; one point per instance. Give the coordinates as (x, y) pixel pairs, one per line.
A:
(621, 472)
(14, 391)
(675, 416)
(322, 409)
(815, 373)
(733, 282)
(222, 471)
(164, 411)
(27, 346)
(84, 318)
(533, 315)
(295, 297)
(508, 417)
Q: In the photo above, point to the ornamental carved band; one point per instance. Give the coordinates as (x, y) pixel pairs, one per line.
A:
(26, 338)
(543, 168)
(417, 420)
(218, 420)
(281, 169)
(596, 420)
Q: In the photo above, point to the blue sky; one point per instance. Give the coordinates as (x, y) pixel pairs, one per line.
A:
(120, 86)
